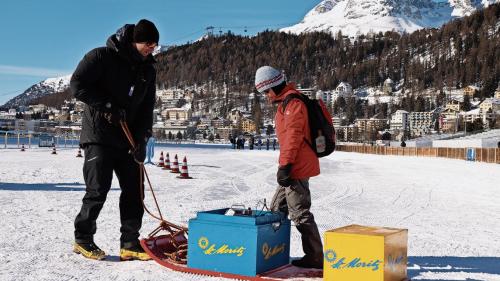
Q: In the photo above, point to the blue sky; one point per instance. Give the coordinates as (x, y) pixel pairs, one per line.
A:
(42, 39)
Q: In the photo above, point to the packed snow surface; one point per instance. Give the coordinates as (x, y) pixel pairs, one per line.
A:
(450, 207)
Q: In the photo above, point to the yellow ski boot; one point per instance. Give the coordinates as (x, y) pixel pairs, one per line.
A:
(134, 253)
(89, 250)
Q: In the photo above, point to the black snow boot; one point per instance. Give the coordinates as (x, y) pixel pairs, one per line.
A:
(307, 263)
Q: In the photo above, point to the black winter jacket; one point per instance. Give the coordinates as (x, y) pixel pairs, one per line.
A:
(111, 78)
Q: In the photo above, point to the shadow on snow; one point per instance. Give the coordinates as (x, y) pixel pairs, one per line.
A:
(468, 267)
(74, 186)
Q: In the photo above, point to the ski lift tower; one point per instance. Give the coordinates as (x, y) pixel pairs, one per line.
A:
(210, 30)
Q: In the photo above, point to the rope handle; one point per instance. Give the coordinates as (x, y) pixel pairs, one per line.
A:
(142, 172)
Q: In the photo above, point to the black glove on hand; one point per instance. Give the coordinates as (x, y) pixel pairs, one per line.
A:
(115, 116)
(139, 153)
(283, 175)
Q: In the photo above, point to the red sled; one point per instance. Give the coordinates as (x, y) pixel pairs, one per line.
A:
(165, 250)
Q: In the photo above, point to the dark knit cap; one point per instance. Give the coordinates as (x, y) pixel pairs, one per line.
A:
(145, 31)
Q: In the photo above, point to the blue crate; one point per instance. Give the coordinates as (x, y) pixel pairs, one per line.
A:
(245, 245)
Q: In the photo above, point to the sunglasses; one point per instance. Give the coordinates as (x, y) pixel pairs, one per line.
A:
(265, 92)
(151, 44)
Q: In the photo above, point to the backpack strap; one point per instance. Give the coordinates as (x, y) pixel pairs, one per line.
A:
(288, 98)
(301, 97)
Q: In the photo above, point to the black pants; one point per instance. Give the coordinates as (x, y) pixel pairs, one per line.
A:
(100, 162)
(295, 201)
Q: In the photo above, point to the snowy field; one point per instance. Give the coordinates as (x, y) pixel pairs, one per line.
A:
(450, 207)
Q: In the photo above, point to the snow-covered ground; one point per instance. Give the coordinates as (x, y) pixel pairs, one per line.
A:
(451, 208)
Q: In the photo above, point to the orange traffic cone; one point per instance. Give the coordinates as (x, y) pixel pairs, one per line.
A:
(175, 166)
(79, 153)
(184, 170)
(22, 147)
(161, 160)
(54, 150)
(166, 166)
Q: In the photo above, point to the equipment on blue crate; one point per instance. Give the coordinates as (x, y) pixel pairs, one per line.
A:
(239, 209)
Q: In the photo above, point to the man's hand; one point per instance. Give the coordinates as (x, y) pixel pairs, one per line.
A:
(283, 175)
(139, 153)
(115, 116)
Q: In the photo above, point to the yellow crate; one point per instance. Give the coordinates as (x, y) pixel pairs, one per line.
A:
(364, 253)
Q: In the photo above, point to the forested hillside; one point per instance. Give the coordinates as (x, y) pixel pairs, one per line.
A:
(463, 52)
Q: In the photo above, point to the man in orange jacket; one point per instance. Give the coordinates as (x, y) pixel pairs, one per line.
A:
(297, 163)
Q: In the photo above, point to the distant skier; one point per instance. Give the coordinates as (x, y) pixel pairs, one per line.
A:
(251, 143)
(259, 143)
(267, 144)
(233, 141)
(274, 144)
(116, 83)
(297, 163)
(150, 150)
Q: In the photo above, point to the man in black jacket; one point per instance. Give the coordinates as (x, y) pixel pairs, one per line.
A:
(116, 83)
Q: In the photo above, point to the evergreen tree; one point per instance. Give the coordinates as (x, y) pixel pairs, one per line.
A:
(269, 130)
(339, 106)
(351, 110)
(477, 125)
(466, 105)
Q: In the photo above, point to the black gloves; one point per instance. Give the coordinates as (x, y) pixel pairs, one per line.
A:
(283, 175)
(115, 116)
(139, 153)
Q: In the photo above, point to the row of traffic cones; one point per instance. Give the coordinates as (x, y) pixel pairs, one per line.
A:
(54, 151)
(165, 165)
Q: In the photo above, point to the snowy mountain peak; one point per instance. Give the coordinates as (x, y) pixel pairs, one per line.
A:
(325, 6)
(160, 49)
(466, 7)
(354, 17)
(46, 87)
(463, 8)
(53, 85)
(59, 84)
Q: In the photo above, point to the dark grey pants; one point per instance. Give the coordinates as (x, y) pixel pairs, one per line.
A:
(295, 201)
(100, 162)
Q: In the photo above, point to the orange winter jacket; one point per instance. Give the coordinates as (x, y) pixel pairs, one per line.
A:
(292, 127)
